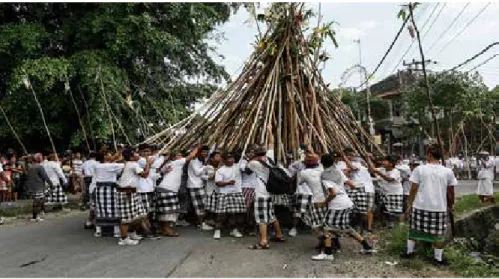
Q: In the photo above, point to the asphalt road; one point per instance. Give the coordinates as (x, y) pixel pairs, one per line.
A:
(59, 247)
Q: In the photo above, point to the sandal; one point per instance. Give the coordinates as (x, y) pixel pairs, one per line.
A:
(278, 239)
(259, 246)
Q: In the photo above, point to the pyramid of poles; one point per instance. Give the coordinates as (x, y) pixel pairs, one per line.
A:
(279, 86)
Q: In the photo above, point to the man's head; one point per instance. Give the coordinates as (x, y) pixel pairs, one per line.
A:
(433, 152)
(215, 158)
(328, 160)
(311, 159)
(92, 155)
(51, 157)
(259, 150)
(390, 161)
(78, 155)
(203, 152)
(130, 155)
(38, 158)
(228, 158)
(349, 152)
(12, 158)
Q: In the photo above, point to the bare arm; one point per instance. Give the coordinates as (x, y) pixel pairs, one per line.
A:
(450, 197)
(412, 196)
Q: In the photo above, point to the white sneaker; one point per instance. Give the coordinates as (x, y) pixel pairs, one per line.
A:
(127, 241)
(32, 220)
(293, 232)
(97, 234)
(216, 235)
(235, 233)
(116, 235)
(2, 220)
(323, 257)
(135, 236)
(206, 227)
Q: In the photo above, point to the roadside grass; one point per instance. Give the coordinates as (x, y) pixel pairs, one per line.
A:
(457, 253)
(470, 202)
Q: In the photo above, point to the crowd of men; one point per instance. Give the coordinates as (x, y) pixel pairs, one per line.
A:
(142, 193)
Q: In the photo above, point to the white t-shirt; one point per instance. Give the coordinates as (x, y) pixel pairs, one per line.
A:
(362, 178)
(209, 176)
(248, 180)
(172, 180)
(194, 172)
(130, 177)
(392, 187)
(54, 172)
(295, 168)
(88, 167)
(77, 167)
(225, 174)
(261, 173)
(312, 178)
(106, 172)
(146, 185)
(405, 173)
(341, 201)
(341, 165)
(433, 180)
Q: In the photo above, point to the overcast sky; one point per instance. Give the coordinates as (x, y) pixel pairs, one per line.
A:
(376, 24)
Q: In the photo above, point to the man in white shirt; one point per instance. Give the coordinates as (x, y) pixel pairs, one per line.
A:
(339, 208)
(167, 202)
(145, 188)
(392, 190)
(88, 168)
(485, 190)
(230, 203)
(195, 185)
(405, 173)
(364, 176)
(53, 169)
(432, 195)
(249, 181)
(264, 209)
(6, 180)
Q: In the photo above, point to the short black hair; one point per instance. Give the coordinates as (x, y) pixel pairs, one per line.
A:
(99, 156)
(205, 148)
(91, 154)
(328, 160)
(392, 159)
(127, 154)
(435, 151)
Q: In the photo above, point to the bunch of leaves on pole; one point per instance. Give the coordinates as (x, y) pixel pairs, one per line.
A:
(144, 53)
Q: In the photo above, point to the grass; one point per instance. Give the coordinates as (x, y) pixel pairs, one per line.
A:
(457, 254)
(470, 202)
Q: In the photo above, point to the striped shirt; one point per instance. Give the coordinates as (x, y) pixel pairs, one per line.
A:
(77, 167)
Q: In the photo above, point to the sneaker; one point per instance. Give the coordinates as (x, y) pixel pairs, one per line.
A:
(89, 226)
(116, 235)
(135, 236)
(368, 251)
(152, 237)
(2, 220)
(235, 233)
(293, 232)
(217, 234)
(323, 257)
(32, 220)
(127, 241)
(443, 262)
(206, 227)
(38, 219)
(97, 234)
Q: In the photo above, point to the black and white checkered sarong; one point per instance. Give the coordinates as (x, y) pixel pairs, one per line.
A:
(422, 221)
(315, 216)
(281, 200)
(210, 203)
(197, 197)
(300, 205)
(359, 199)
(264, 211)
(393, 204)
(249, 197)
(167, 203)
(93, 202)
(105, 200)
(57, 196)
(148, 200)
(230, 203)
(338, 219)
(130, 207)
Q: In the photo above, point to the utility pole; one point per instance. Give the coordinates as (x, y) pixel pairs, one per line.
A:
(426, 84)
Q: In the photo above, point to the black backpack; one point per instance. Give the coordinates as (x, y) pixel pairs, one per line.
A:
(279, 182)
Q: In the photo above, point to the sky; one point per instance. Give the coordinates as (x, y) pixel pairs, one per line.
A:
(376, 25)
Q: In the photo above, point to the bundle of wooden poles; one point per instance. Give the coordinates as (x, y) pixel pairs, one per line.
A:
(279, 86)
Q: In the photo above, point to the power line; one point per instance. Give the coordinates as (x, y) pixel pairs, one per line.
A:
(386, 53)
(433, 22)
(413, 40)
(474, 57)
(449, 27)
(484, 62)
(464, 28)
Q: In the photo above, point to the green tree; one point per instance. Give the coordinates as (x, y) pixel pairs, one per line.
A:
(144, 58)
(459, 97)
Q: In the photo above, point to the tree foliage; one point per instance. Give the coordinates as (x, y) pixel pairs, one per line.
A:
(141, 57)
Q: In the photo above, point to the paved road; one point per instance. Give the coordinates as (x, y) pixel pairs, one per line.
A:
(60, 247)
